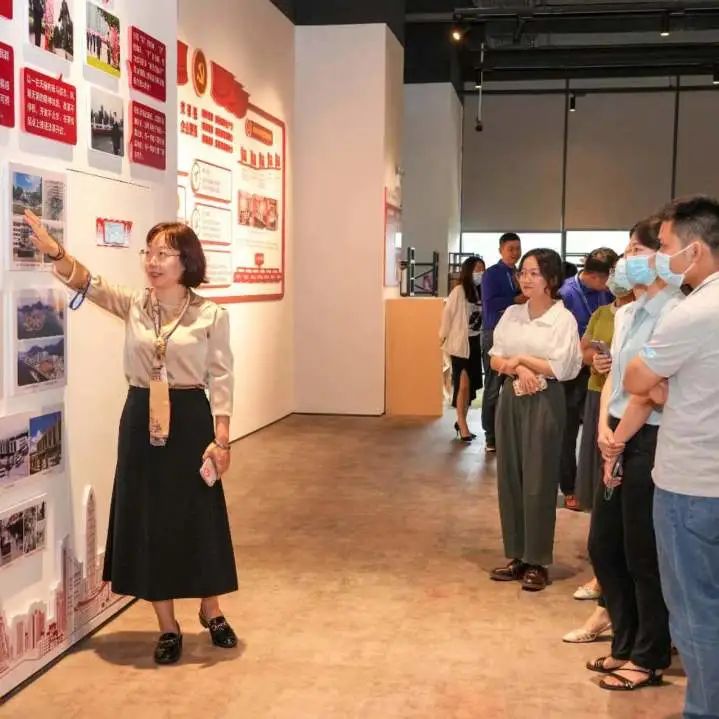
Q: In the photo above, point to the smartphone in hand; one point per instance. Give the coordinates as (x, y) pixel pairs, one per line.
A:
(208, 472)
(601, 347)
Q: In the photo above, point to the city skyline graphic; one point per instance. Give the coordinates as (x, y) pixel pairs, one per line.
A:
(56, 623)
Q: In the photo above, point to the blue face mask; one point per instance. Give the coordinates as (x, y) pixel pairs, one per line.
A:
(639, 272)
(620, 274)
(665, 271)
(616, 289)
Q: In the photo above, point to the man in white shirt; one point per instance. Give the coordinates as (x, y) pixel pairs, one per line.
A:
(680, 368)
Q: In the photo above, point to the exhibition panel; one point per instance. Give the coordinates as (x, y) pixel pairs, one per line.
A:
(87, 119)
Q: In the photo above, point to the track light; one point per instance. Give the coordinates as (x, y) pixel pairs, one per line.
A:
(572, 102)
(715, 79)
(457, 33)
(665, 31)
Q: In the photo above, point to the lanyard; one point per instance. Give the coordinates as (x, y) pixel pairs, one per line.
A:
(583, 296)
(160, 338)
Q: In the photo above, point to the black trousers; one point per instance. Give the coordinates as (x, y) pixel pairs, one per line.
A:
(575, 392)
(623, 551)
(492, 385)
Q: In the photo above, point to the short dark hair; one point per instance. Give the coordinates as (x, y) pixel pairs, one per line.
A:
(601, 261)
(550, 265)
(694, 218)
(508, 237)
(182, 237)
(646, 232)
(569, 269)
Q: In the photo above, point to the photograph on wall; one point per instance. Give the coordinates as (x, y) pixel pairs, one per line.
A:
(107, 122)
(45, 433)
(113, 233)
(257, 211)
(102, 40)
(14, 448)
(44, 194)
(50, 26)
(40, 364)
(40, 313)
(23, 531)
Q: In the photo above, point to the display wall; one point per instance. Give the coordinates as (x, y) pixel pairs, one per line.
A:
(87, 141)
(240, 199)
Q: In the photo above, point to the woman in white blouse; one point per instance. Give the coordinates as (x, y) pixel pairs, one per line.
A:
(536, 345)
(168, 534)
(459, 334)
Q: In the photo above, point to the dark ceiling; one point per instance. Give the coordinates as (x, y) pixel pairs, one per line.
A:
(536, 39)
(558, 39)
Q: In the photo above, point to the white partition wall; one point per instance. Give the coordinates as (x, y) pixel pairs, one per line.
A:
(64, 388)
(348, 84)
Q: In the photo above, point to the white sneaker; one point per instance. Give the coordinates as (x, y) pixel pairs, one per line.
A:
(586, 592)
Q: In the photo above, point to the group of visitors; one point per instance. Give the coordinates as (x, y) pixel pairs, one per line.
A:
(628, 348)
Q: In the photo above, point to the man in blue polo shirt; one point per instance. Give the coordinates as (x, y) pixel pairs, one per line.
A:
(582, 295)
(500, 290)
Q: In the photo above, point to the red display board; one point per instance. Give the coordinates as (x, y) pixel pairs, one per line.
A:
(49, 107)
(6, 8)
(148, 137)
(7, 86)
(148, 64)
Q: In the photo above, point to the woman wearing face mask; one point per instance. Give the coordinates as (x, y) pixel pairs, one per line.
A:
(622, 545)
(459, 334)
(597, 338)
(536, 345)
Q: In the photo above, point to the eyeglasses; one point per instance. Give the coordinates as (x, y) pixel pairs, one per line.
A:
(529, 274)
(160, 256)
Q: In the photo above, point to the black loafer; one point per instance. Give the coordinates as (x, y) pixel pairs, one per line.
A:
(169, 647)
(221, 632)
(513, 572)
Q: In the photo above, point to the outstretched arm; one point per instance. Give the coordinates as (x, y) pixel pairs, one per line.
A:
(113, 298)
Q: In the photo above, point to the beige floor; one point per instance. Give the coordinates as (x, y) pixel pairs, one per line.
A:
(364, 547)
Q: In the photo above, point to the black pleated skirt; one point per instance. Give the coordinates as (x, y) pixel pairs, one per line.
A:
(472, 365)
(169, 534)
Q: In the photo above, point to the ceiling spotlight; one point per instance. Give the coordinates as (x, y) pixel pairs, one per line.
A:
(665, 31)
(572, 102)
(715, 79)
(457, 33)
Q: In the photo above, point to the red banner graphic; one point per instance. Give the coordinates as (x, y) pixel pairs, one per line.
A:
(148, 137)
(182, 76)
(7, 86)
(148, 64)
(227, 92)
(6, 8)
(259, 132)
(49, 107)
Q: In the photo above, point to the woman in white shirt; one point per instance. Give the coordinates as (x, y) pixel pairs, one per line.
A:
(459, 333)
(536, 345)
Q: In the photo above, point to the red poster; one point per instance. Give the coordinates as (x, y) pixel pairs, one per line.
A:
(7, 86)
(6, 8)
(49, 107)
(148, 64)
(148, 137)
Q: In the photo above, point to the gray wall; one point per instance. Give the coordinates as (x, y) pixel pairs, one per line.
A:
(619, 159)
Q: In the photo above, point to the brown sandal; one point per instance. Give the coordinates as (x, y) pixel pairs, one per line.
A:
(598, 665)
(627, 685)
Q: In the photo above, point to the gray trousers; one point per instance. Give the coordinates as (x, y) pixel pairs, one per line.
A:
(529, 445)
